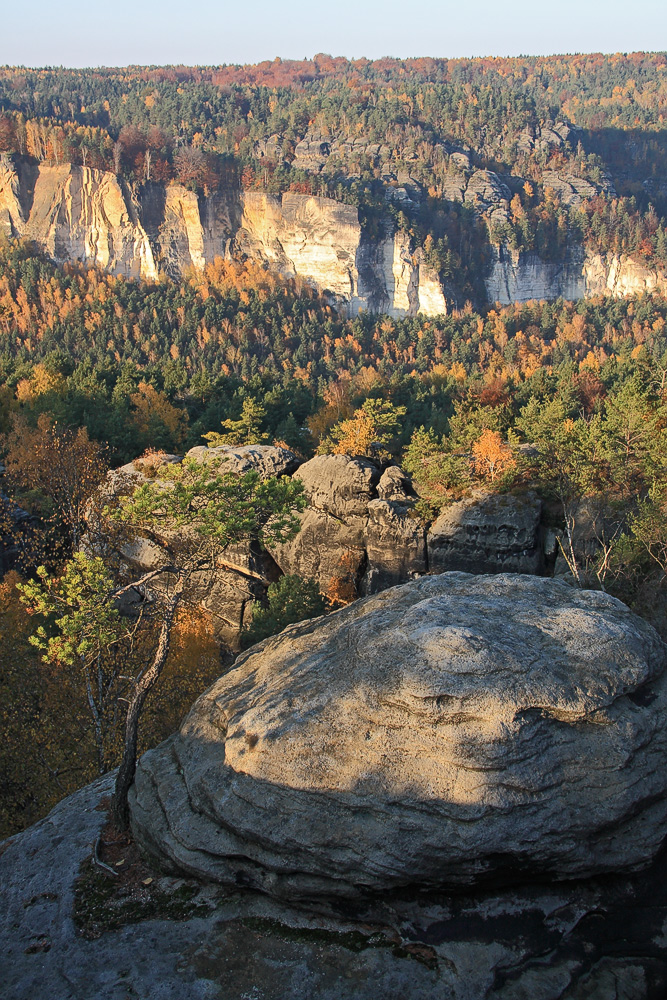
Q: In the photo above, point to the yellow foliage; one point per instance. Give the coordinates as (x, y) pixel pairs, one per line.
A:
(592, 363)
(148, 404)
(356, 435)
(40, 382)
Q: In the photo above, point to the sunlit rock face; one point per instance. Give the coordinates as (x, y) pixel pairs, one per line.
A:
(523, 277)
(450, 730)
(242, 572)
(148, 229)
(75, 213)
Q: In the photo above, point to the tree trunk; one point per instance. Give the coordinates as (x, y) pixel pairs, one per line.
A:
(128, 765)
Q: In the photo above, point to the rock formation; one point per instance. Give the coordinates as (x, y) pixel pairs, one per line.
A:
(243, 574)
(359, 533)
(146, 934)
(488, 533)
(451, 730)
(77, 213)
(520, 277)
(362, 532)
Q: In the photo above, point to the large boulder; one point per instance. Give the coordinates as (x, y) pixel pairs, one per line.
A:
(488, 533)
(454, 729)
(263, 458)
(339, 484)
(359, 533)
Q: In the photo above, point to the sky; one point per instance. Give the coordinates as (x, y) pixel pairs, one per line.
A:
(204, 32)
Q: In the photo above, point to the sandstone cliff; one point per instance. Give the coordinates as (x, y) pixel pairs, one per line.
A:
(519, 277)
(77, 213)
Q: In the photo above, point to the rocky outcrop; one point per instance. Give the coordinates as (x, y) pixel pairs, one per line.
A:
(265, 459)
(243, 572)
(317, 238)
(521, 277)
(359, 533)
(77, 213)
(571, 190)
(488, 533)
(621, 276)
(602, 939)
(322, 240)
(452, 730)
(548, 136)
(330, 545)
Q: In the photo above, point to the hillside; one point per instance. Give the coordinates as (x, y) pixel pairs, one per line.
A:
(398, 187)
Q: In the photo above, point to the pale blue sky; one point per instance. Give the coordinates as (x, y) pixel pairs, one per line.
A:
(120, 32)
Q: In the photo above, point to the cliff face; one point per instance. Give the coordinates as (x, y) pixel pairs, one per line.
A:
(322, 240)
(522, 277)
(76, 213)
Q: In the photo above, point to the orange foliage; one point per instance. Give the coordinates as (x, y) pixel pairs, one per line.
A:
(492, 455)
(342, 588)
(150, 404)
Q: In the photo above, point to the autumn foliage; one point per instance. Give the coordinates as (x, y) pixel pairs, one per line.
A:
(492, 456)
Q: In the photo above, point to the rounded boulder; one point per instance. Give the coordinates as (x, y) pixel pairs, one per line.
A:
(451, 730)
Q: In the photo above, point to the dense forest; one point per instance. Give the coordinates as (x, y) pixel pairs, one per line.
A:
(159, 365)
(103, 368)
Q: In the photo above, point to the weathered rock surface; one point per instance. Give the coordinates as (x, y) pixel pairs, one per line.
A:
(339, 484)
(450, 730)
(488, 533)
(75, 213)
(597, 940)
(359, 533)
(263, 458)
(322, 240)
(550, 135)
(621, 276)
(244, 571)
(330, 545)
(395, 549)
(520, 277)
